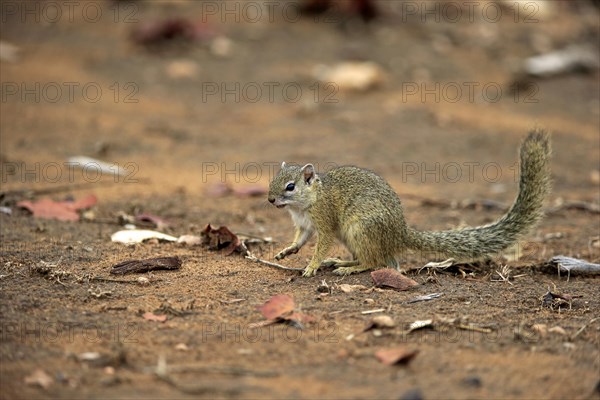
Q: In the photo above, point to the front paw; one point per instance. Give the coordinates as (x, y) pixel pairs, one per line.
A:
(308, 272)
(293, 249)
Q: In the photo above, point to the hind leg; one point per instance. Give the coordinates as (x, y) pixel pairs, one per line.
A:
(336, 262)
(356, 268)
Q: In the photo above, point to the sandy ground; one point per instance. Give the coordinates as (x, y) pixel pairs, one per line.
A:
(443, 125)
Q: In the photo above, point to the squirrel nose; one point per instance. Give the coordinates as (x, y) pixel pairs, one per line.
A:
(271, 200)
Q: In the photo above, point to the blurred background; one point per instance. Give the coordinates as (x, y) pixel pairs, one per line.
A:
(183, 95)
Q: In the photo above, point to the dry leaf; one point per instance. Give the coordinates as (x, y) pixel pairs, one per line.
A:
(158, 222)
(153, 317)
(149, 264)
(190, 240)
(396, 355)
(161, 32)
(60, 210)
(426, 323)
(277, 306)
(40, 378)
(96, 166)
(280, 308)
(220, 239)
(347, 288)
(132, 236)
(391, 278)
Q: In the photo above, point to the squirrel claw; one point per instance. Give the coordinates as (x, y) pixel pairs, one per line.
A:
(308, 272)
(344, 271)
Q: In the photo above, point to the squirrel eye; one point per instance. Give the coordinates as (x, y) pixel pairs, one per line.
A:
(290, 187)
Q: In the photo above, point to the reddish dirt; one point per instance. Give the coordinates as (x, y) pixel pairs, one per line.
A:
(177, 142)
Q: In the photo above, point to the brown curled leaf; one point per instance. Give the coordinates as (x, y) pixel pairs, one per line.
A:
(396, 355)
(220, 239)
(390, 278)
(278, 306)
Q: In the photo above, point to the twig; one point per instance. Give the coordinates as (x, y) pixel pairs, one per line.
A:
(271, 264)
(570, 264)
(222, 369)
(162, 372)
(426, 297)
(504, 275)
(584, 327)
(474, 328)
(433, 265)
(100, 279)
(575, 205)
(377, 310)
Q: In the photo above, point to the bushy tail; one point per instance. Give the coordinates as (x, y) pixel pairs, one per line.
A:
(526, 211)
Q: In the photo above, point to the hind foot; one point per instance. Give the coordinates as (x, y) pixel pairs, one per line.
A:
(350, 270)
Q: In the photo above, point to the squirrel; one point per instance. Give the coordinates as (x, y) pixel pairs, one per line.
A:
(361, 209)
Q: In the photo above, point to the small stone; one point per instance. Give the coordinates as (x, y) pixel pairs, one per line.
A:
(323, 287)
(143, 281)
(221, 46)
(181, 347)
(558, 329)
(412, 394)
(472, 381)
(383, 321)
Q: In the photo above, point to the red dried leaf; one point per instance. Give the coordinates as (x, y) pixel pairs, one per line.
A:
(220, 239)
(82, 204)
(396, 355)
(49, 209)
(170, 29)
(219, 189)
(391, 278)
(60, 210)
(153, 317)
(278, 306)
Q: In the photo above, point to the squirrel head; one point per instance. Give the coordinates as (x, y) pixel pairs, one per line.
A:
(294, 186)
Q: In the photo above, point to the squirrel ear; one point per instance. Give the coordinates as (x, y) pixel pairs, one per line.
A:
(283, 165)
(309, 173)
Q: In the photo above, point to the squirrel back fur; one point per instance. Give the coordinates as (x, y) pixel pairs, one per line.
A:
(359, 208)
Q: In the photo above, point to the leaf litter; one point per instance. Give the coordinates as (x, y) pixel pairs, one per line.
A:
(390, 278)
(65, 210)
(282, 308)
(149, 264)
